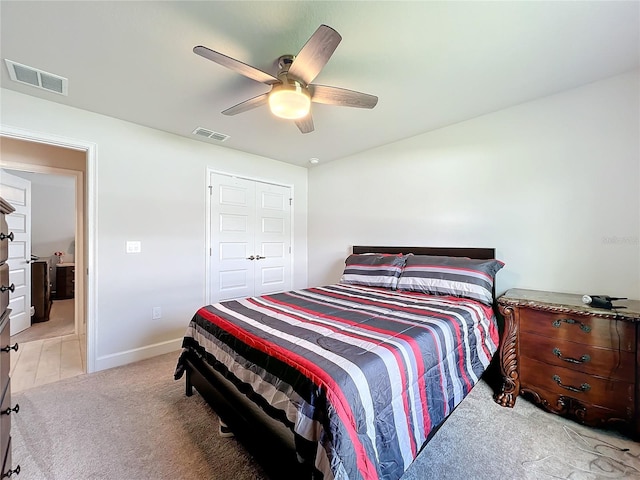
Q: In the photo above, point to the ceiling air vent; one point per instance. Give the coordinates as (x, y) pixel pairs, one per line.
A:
(37, 78)
(203, 132)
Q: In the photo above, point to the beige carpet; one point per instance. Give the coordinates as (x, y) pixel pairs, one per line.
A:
(135, 422)
(484, 441)
(60, 323)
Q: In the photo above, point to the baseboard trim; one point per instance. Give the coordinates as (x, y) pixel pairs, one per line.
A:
(129, 356)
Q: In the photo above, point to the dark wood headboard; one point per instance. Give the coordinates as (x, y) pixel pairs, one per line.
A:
(477, 253)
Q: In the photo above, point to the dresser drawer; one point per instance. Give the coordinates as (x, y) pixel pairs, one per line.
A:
(5, 420)
(5, 357)
(6, 461)
(613, 394)
(4, 243)
(588, 414)
(4, 282)
(617, 364)
(588, 330)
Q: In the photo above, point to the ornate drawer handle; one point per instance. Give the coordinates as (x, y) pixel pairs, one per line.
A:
(8, 411)
(10, 472)
(571, 321)
(11, 288)
(583, 359)
(585, 387)
(8, 348)
(4, 236)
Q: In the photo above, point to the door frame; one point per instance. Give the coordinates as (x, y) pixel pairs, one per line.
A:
(85, 224)
(208, 186)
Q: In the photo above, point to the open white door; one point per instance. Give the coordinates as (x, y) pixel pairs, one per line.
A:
(17, 191)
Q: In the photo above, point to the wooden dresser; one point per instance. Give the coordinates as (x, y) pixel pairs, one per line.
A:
(6, 409)
(65, 282)
(572, 359)
(40, 291)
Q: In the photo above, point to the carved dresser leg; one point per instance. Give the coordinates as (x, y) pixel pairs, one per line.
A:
(508, 359)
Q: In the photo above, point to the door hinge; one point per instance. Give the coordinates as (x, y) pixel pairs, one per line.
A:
(290, 201)
(210, 189)
(210, 251)
(289, 249)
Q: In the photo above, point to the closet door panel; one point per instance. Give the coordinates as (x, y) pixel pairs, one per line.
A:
(232, 237)
(273, 239)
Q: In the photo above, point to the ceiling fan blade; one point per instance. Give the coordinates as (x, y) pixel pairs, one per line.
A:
(305, 124)
(235, 65)
(341, 96)
(247, 105)
(315, 54)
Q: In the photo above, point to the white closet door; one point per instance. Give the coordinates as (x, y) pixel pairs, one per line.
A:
(250, 238)
(273, 239)
(233, 220)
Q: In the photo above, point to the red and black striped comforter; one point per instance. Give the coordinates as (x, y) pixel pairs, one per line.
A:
(360, 374)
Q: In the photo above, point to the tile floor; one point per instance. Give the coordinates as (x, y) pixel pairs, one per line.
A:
(45, 361)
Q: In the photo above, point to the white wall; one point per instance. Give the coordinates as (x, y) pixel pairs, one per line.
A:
(552, 184)
(151, 187)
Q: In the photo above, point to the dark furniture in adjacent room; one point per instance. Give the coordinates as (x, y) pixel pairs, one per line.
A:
(40, 291)
(65, 282)
(6, 409)
(572, 359)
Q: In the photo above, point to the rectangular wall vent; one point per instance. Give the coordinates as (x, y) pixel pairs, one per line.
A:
(203, 132)
(37, 78)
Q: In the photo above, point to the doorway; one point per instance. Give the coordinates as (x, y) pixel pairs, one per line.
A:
(53, 159)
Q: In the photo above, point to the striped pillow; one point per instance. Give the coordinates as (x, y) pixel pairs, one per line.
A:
(457, 276)
(377, 270)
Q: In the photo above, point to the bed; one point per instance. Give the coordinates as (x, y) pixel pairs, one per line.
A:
(350, 380)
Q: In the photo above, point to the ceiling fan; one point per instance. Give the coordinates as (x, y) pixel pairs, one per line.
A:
(291, 89)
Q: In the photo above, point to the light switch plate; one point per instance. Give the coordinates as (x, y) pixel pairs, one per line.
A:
(133, 246)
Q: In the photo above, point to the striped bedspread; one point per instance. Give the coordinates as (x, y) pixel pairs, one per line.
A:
(361, 375)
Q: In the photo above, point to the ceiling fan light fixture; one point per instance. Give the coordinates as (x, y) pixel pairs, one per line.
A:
(290, 101)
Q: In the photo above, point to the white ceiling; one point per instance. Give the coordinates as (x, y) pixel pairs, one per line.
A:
(431, 64)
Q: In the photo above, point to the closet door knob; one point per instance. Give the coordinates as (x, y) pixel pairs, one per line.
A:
(4, 236)
(11, 288)
(251, 258)
(258, 257)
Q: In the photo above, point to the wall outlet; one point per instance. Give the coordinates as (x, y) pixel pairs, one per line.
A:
(156, 313)
(133, 246)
